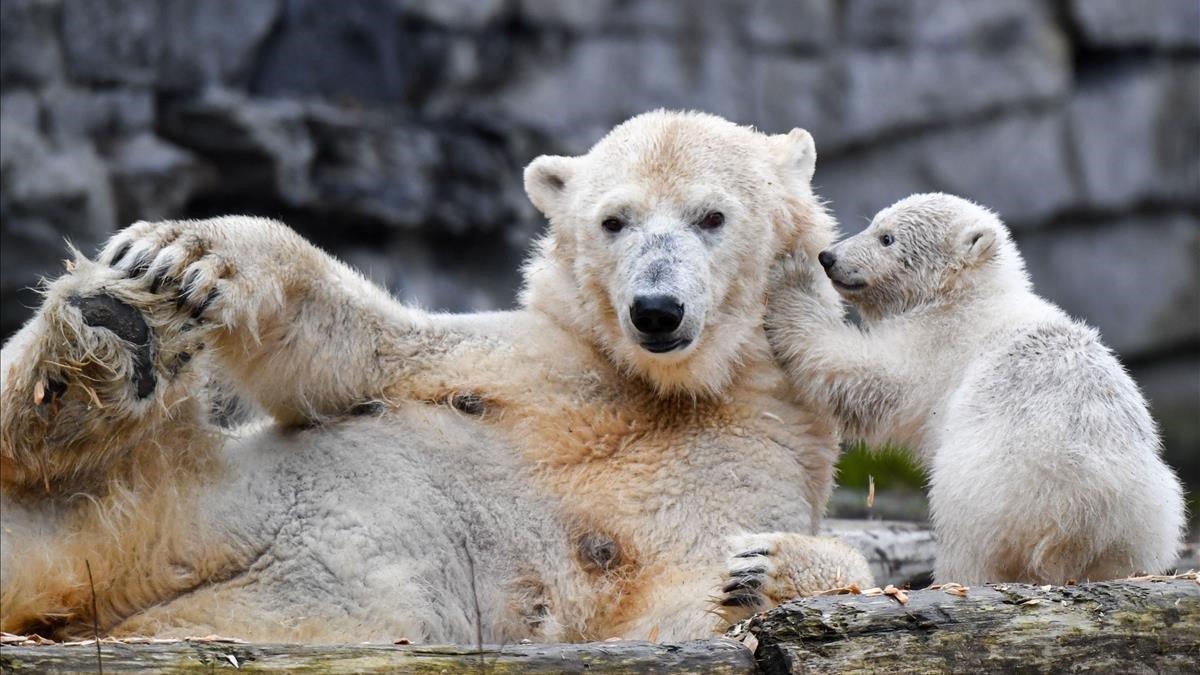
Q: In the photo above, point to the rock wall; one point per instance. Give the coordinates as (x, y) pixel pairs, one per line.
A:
(394, 133)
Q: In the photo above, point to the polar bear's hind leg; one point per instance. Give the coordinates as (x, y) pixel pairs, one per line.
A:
(102, 370)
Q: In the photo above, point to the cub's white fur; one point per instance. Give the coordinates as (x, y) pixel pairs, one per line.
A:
(540, 467)
(1044, 462)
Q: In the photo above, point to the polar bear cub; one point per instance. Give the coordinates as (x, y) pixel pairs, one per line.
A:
(1044, 461)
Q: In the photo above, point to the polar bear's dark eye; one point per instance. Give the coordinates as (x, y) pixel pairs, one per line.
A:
(612, 224)
(712, 220)
(887, 239)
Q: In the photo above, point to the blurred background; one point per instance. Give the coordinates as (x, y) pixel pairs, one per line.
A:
(394, 133)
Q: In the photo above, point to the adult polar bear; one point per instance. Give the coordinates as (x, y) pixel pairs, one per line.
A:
(569, 470)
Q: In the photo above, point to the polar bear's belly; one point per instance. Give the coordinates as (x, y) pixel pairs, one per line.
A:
(362, 530)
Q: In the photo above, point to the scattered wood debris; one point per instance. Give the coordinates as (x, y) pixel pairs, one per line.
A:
(896, 593)
(953, 589)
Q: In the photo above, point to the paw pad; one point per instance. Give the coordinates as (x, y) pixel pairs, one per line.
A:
(109, 313)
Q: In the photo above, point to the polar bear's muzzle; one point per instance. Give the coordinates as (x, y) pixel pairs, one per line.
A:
(846, 281)
(657, 318)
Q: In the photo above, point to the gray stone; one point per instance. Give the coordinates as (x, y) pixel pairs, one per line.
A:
(568, 15)
(600, 82)
(885, 92)
(882, 24)
(111, 41)
(153, 180)
(29, 45)
(857, 186)
(1155, 23)
(1137, 137)
(1017, 165)
(230, 30)
(104, 113)
(352, 49)
(145, 42)
(1172, 386)
(47, 194)
(791, 24)
(790, 92)
(459, 14)
(68, 187)
(1137, 280)
(20, 107)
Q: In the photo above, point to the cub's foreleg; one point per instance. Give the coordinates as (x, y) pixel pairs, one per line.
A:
(833, 367)
(298, 331)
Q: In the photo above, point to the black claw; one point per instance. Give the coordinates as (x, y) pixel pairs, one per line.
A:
(741, 600)
(753, 553)
(749, 572)
(120, 253)
(54, 389)
(208, 300)
(140, 265)
(157, 280)
(189, 280)
(745, 583)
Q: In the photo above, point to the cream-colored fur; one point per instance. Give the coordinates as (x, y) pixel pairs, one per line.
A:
(537, 467)
(1044, 462)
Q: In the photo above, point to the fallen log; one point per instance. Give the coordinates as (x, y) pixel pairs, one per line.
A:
(719, 656)
(1149, 624)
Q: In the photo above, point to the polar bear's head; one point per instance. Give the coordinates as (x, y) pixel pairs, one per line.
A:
(661, 238)
(922, 249)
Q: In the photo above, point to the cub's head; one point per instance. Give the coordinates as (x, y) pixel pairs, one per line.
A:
(661, 238)
(922, 249)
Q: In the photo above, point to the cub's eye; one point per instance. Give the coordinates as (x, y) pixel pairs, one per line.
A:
(712, 220)
(887, 239)
(613, 224)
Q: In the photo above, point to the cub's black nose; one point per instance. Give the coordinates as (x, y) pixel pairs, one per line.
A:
(826, 259)
(656, 314)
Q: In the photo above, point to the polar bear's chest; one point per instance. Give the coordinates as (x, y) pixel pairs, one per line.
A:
(680, 487)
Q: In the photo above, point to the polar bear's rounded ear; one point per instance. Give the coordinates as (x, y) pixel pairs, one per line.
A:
(978, 243)
(796, 151)
(546, 181)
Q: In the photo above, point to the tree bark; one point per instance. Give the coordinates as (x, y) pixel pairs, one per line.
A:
(1130, 626)
(721, 656)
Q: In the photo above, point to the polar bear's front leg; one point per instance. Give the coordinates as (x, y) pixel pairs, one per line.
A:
(768, 569)
(296, 330)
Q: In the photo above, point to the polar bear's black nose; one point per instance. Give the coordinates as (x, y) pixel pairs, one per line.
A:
(826, 259)
(656, 314)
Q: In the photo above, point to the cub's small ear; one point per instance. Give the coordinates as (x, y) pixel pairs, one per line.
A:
(795, 151)
(546, 181)
(978, 243)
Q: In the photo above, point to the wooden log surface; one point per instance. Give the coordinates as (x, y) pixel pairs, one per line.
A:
(1150, 625)
(720, 656)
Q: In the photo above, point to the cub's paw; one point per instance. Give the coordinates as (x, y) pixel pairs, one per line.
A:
(795, 269)
(768, 569)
